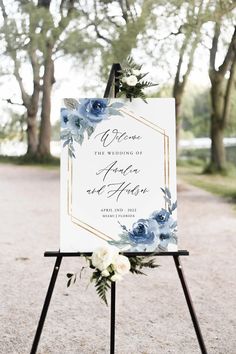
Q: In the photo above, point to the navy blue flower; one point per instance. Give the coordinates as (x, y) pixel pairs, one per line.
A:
(93, 109)
(161, 216)
(143, 231)
(64, 117)
(164, 236)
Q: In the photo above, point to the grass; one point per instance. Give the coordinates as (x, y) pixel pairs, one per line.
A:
(49, 162)
(224, 186)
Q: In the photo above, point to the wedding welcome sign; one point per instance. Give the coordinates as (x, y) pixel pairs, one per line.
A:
(118, 175)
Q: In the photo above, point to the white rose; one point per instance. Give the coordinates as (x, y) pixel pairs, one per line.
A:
(136, 72)
(121, 265)
(124, 79)
(116, 277)
(105, 273)
(131, 80)
(103, 257)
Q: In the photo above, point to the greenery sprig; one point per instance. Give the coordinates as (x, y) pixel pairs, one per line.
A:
(131, 83)
(137, 263)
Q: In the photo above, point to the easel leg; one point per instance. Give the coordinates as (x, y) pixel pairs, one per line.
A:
(190, 305)
(113, 317)
(46, 304)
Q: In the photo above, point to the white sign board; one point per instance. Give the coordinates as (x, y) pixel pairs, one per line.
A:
(118, 175)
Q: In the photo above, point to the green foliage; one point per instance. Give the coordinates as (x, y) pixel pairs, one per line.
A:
(138, 263)
(14, 127)
(55, 131)
(202, 156)
(102, 286)
(32, 160)
(79, 46)
(125, 31)
(71, 278)
(90, 33)
(167, 198)
(196, 111)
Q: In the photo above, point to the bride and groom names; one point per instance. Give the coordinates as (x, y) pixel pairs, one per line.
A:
(107, 139)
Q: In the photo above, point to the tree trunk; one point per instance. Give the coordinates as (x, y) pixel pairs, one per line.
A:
(45, 127)
(32, 134)
(221, 91)
(218, 157)
(178, 100)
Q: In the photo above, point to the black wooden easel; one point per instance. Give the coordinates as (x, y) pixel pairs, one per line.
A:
(111, 91)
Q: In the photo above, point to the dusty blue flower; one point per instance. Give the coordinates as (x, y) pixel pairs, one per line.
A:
(75, 124)
(161, 216)
(143, 231)
(64, 117)
(94, 110)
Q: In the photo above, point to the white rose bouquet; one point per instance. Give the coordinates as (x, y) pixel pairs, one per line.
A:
(110, 266)
(131, 83)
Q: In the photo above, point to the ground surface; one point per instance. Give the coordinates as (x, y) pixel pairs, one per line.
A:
(152, 317)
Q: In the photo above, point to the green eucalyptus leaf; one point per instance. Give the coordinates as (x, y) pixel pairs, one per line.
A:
(174, 225)
(174, 206)
(120, 94)
(163, 190)
(71, 154)
(65, 134)
(90, 131)
(114, 112)
(71, 103)
(79, 139)
(72, 147)
(66, 142)
(117, 105)
(168, 192)
(168, 201)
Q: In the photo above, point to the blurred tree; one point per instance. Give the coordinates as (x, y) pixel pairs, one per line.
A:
(191, 33)
(186, 27)
(138, 17)
(196, 110)
(198, 13)
(47, 30)
(231, 125)
(56, 127)
(27, 40)
(30, 101)
(118, 25)
(221, 93)
(14, 128)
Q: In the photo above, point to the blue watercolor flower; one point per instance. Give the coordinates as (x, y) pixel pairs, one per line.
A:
(161, 216)
(143, 231)
(64, 117)
(94, 110)
(75, 124)
(164, 236)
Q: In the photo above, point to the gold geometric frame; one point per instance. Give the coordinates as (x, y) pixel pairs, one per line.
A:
(84, 225)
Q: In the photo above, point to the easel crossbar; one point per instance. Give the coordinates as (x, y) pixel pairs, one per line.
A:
(127, 254)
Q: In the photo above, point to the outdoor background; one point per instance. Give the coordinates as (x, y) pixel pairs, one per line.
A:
(51, 49)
